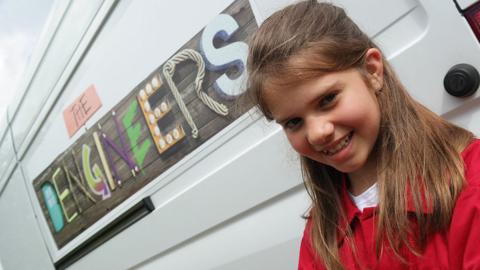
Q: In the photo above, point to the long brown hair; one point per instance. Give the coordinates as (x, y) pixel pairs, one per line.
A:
(417, 150)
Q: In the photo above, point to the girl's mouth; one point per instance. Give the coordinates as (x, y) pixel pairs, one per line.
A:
(339, 147)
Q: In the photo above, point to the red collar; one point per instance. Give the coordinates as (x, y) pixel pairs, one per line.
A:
(352, 212)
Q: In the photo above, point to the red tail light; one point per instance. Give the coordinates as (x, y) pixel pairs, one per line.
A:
(472, 14)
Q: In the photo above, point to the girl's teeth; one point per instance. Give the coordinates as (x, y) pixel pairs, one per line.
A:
(338, 147)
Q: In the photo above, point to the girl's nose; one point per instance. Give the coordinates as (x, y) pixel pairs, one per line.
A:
(319, 132)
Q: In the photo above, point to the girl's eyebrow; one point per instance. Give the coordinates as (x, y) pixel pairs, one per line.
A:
(331, 85)
(283, 120)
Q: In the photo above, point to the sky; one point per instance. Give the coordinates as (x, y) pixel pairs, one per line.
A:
(21, 25)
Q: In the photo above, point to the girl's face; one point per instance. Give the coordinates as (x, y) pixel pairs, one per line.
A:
(333, 119)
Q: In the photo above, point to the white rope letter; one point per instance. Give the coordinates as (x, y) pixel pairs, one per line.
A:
(169, 70)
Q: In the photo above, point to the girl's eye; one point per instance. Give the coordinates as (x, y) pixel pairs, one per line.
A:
(328, 99)
(292, 123)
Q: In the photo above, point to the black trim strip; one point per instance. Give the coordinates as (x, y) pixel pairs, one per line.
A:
(132, 215)
(458, 7)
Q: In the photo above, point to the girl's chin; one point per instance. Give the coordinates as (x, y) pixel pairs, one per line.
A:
(350, 167)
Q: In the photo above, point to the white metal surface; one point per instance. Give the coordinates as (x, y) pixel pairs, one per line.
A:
(21, 247)
(248, 241)
(7, 152)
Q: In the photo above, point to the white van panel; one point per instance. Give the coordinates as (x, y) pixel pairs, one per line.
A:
(263, 9)
(248, 241)
(424, 64)
(466, 116)
(22, 245)
(7, 152)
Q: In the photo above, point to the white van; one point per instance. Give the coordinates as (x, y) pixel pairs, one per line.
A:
(130, 147)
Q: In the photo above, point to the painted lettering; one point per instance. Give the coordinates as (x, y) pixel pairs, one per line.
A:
(104, 161)
(95, 179)
(121, 150)
(134, 131)
(77, 114)
(234, 54)
(62, 195)
(84, 104)
(53, 207)
(77, 180)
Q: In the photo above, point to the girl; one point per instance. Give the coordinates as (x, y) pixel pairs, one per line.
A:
(393, 186)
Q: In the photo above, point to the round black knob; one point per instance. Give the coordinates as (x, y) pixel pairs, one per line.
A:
(462, 80)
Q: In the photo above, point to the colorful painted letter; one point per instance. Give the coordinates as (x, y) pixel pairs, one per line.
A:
(235, 54)
(54, 209)
(134, 131)
(96, 180)
(62, 195)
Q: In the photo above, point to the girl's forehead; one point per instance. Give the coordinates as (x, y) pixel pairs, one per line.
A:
(276, 92)
(321, 82)
(284, 95)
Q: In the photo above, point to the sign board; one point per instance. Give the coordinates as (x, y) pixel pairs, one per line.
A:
(175, 109)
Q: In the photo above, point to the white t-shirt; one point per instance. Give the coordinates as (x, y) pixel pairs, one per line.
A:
(369, 198)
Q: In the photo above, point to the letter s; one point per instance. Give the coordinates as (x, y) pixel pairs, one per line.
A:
(234, 54)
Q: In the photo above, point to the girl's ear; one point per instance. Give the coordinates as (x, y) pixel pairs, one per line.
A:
(374, 67)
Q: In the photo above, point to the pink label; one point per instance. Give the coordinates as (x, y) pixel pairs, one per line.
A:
(81, 110)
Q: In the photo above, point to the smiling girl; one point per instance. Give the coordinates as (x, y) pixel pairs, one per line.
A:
(393, 186)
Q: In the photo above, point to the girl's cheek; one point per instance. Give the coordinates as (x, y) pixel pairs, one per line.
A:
(299, 144)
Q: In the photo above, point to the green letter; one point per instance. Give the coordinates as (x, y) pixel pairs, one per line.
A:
(134, 132)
